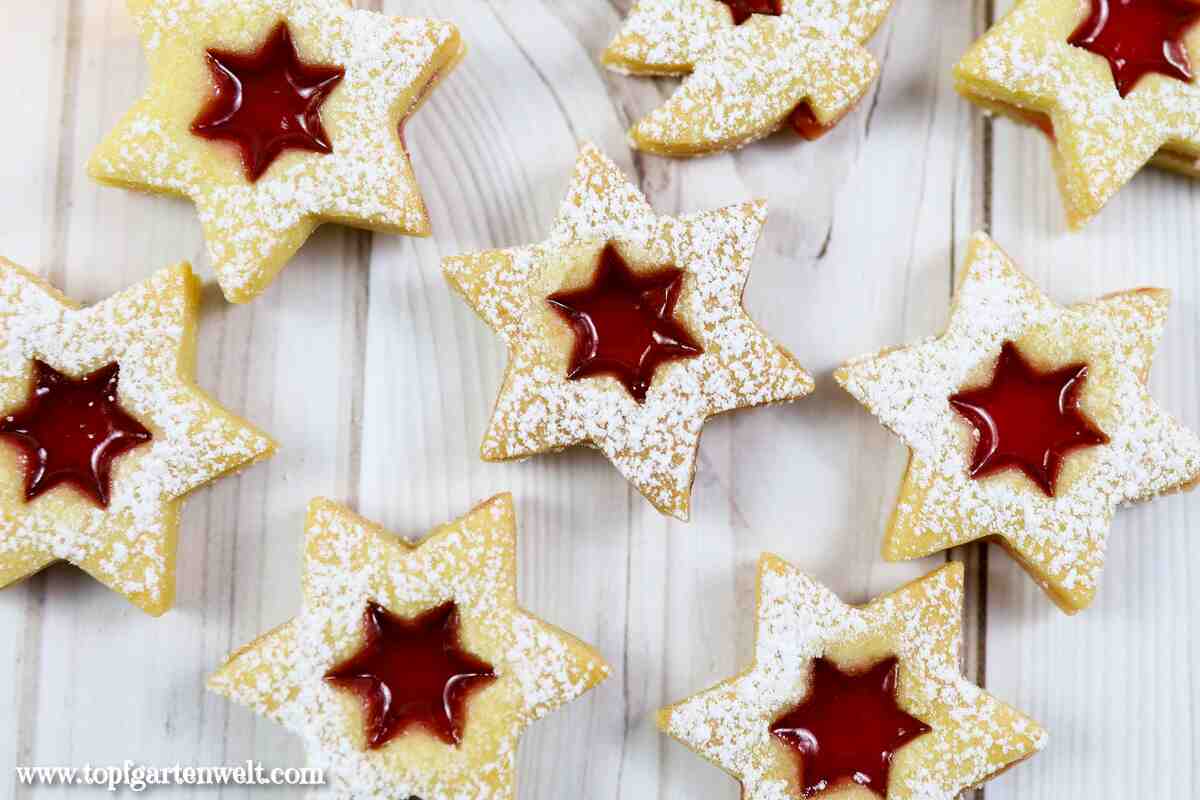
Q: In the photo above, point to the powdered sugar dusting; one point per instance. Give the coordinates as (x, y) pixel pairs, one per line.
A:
(147, 330)
(653, 444)
(1102, 139)
(252, 229)
(973, 735)
(349, 562)
(746, 79)
(1061, 538)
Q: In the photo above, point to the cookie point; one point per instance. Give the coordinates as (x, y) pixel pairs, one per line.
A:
(955, 572)
(318, 504)
(503, 502)
(662, 718)
(892, 551)
(157, 606)
(769, 562)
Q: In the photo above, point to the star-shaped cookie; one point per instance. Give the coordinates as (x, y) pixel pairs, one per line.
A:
(1105, 121)
(801, 61)
(274, 116)
(104, 431)
(650, 432)
(954, 735)
(294, 673)
(1130, 449)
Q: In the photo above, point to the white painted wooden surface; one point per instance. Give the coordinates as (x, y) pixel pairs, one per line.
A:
(378, 383)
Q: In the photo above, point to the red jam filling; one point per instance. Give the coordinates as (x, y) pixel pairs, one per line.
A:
(624, 323)
(1038, 120)
(805, 123)
(1138, 37)
(848, 728)
(412, 673)
(1026, 419)
(742, 10)
(69, 431)
(267, 102)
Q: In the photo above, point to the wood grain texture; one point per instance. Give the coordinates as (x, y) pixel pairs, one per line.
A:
(379, 384)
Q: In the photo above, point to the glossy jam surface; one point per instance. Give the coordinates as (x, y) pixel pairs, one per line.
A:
(1026, 419)
(267, 102)
(1138, 37)
(848, 728)
(412, 672)
(624, 323)
(742, 10)
(70, 431)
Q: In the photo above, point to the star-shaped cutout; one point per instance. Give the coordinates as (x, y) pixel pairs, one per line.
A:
(267, 102)
(471, 562)
(1060, 539)
(955, 735)
(1137, 37)
(752, 67)
(1027, 419)
(259, 203)
(849, 727)
(70, 431)
(412, 673)
(134, 446)
(624, 323)
(653, 442)
(1107, 120)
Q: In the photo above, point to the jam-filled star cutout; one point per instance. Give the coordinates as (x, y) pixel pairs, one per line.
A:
(267, 102)
(1110, 80)
(688, 351)
(70, 431)
(742, 10)
(1055, 526)
(849, 727)
(312, 95)
(752, 67)
(1027, 419)
(412, 673)
(97, 467)
(1137, 37)
(444, 607)
(797, 724)
(624, 323)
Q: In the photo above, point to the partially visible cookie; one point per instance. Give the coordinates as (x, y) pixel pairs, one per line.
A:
(274, 116)
(1111, 82)
(103, 431)
(411, 670)
(1028, 423)
(854, 702)
(626, 331)
(754, 66)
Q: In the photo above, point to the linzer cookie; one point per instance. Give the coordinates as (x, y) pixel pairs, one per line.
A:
(103, 431)
(626, 331)
(854, 702)
(753, 67)
(410, 670)
(1111, 82)
(1028, 422)
(274, 117)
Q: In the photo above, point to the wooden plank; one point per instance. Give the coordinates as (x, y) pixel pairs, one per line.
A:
(291, 363)
(1126, 665)
(379, 383)
(494, 148)
(31, 206)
